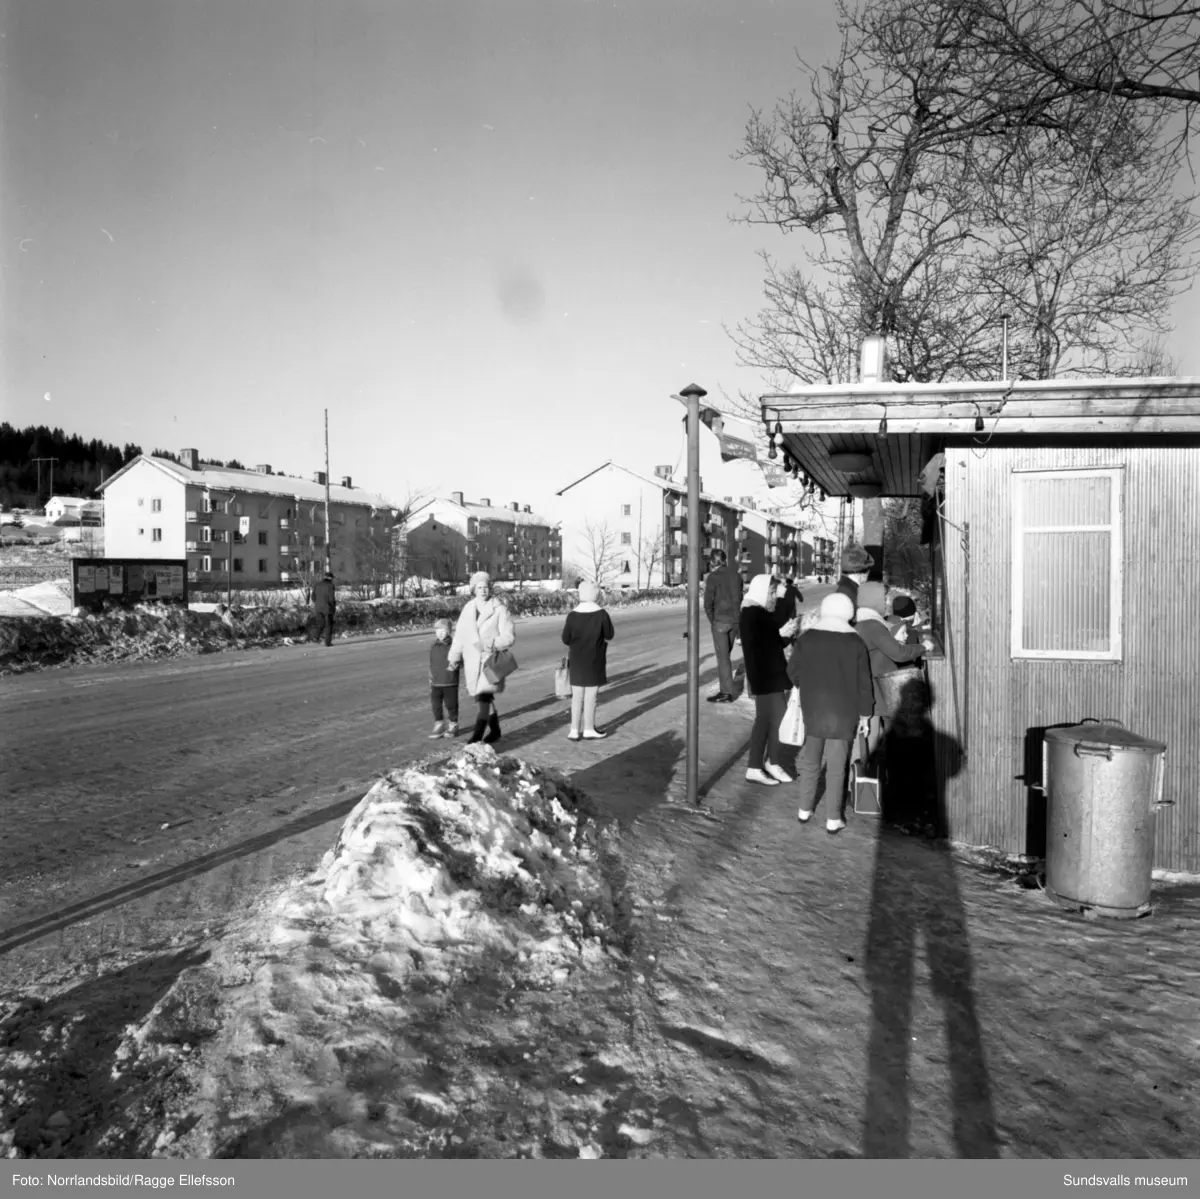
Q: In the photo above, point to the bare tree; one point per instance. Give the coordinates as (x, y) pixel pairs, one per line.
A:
(938, 202)
(649, 554)
(602, 550)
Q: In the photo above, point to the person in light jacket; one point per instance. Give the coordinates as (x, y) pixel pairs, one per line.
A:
(763, 639)
(586, 635)
(722, 606)
(831, 667)
(483, 625)
(886, 653)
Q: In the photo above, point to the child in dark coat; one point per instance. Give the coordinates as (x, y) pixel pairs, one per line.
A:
(443, 683)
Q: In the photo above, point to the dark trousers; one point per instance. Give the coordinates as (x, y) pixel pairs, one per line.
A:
(444, 695)
(835, 755)
(723, 640)
(325, 627)
(764, 737)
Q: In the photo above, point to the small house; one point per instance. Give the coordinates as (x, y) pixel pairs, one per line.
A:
(1064, 556)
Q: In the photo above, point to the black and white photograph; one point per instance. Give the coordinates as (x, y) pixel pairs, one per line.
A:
(600, 580)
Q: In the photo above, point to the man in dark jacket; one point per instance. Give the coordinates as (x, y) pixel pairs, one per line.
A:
(856, 564)
(723, 607)
(324, 605)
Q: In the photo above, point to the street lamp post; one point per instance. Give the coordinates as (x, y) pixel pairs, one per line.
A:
(690, 397)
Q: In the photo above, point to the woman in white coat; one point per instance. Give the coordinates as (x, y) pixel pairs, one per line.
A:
(484, 625)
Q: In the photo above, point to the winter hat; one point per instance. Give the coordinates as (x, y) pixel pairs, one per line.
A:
(903, 607)
(856, 560)
(329, 574)
(837, 606)
(589, 593)
(873, 596)
(443, 623)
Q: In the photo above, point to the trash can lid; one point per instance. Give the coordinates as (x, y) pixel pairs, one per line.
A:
(1106, 734)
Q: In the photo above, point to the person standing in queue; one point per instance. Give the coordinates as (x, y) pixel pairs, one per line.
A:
(586, 634)
(483, 625)
(856, 565)
(325, 605)
(763, 639)
(723, 607)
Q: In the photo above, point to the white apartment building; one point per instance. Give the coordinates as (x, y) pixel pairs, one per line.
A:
(249, 527)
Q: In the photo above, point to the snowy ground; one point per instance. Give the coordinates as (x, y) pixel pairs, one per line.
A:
(407, 999)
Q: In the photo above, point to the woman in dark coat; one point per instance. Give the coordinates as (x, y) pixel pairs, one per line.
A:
(831, 667)
(586, 635)
(763, 640)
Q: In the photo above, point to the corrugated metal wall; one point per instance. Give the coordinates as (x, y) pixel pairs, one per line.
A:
(1154, 690)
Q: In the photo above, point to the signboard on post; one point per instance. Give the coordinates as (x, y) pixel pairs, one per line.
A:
(128, 581)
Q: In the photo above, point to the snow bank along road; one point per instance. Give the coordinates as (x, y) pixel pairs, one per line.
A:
(123, 781)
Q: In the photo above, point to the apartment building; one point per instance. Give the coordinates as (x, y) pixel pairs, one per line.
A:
(449, 539)
(251, 528)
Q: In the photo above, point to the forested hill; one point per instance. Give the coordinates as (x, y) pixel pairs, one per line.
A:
(80, 466)
(79, 469)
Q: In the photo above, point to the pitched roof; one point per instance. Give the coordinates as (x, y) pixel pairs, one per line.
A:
(492, 512)
(222, 478)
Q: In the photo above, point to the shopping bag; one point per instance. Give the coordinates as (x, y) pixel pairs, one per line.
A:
(562, 681)
(791, 727)
(499, 665)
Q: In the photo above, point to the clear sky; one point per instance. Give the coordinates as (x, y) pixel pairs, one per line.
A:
(491, 236)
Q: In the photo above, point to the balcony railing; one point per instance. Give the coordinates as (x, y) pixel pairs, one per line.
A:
(193, 515)
(194, 546)
(284, 522)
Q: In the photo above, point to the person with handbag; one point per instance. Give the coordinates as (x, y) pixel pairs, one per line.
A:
(766, 675)
(832, 668)
(586, 635)
(484, 633)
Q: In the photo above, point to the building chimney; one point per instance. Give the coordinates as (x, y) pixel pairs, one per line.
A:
(528, 509)
(873, 363)
(485, 503)
(190, 459)
(346, 481)
(662, 472)
(457, 497)
(319, 477)
(515, 507)
(263, 468)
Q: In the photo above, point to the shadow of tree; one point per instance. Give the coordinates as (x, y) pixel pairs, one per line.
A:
(907, 904)
(88, 1021)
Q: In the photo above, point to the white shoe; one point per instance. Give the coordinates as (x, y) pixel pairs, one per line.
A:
(779, 773)
(834, 826)
(803, 816)
(760, 776)
(572, 736)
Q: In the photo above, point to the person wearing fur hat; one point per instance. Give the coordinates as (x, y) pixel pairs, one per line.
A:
(763, 640)
(483, 625)
(856, 565)
(885, 652)
(832, 668)
(586, 635)
(324, 596)
(443, 683)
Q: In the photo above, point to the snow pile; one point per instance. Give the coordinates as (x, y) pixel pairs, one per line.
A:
(382, 1006)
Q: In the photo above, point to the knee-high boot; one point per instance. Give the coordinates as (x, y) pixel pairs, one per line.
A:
(493, 728)
(481, 724)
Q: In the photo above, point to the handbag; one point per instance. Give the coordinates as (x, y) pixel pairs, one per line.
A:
(791, 727)
(499, 664)
(562, 681)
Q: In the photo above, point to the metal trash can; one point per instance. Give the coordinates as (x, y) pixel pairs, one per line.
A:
(1103, 787)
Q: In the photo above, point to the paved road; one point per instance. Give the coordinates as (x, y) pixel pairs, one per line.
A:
(238, 746)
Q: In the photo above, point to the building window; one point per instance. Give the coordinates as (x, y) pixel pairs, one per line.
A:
(206, 533)
(1066, 564)
(237, 564)
(626, 509)
(141, 532)
(156, 505)
(141, 502)
(262, 538)
(626, 538)
(206, 563)
(156, 534)
(262, 566)
(205, 504)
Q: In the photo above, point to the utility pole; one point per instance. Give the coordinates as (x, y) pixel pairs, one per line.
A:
(328, 547)
(39, 462)
(690, 396)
